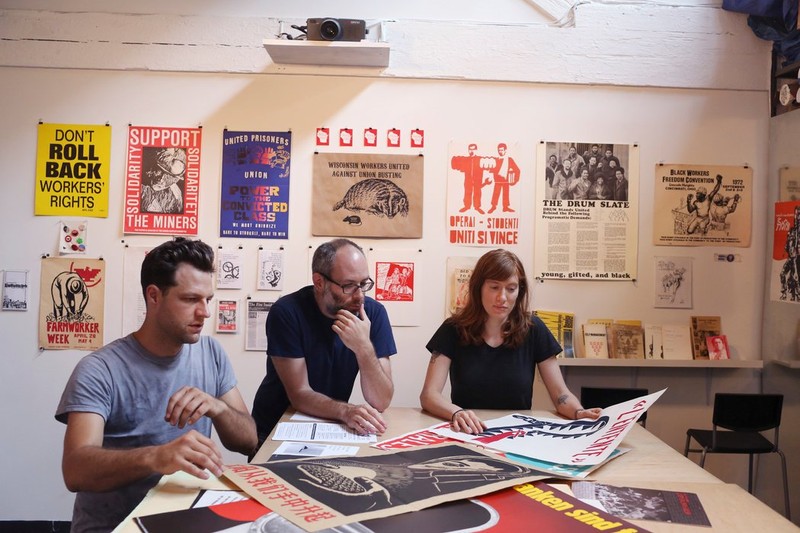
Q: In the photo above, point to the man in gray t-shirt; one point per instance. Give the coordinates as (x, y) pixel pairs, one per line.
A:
(143, 405)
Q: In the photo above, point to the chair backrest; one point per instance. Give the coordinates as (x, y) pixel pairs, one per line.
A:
(747, 412)
(606, 396)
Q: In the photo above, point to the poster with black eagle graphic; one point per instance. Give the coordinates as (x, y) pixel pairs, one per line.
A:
(255, 184)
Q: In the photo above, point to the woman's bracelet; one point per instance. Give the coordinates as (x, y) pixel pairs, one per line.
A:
(578, 411)
(453, 416)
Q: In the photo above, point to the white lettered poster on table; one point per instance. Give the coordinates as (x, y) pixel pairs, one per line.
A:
(556, 440)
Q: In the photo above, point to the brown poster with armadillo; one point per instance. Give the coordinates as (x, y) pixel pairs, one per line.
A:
(367, 195)
(71, 303)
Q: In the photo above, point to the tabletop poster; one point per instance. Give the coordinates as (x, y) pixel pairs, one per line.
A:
(331, 491)
(483, 193)
(555, 440)
(636, 503)
(367, 195)
(72, 170)
(587, 211)
(510, 510)
(702, 205)
(71, 303)
(162, 180)
(255, 184)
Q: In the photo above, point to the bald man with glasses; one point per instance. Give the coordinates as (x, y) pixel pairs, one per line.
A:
(318, 340)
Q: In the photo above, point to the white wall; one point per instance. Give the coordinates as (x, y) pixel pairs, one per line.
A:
(781, 327)
(726, 125)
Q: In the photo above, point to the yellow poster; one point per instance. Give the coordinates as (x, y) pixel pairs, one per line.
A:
(72, 170)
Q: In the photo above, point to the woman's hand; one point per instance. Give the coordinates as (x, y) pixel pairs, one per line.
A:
(592, 413)
(466, 421)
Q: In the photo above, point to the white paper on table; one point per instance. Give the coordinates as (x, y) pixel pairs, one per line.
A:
(302, 417)
(306, 449)
(318, 431)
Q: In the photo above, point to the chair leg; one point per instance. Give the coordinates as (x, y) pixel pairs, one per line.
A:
(686, 449)
(785, 486)
(703, 458)
(750, 473)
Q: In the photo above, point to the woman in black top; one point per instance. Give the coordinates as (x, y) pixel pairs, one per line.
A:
(490, 350)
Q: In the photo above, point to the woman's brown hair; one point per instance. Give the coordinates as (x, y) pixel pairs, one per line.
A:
(498, 265)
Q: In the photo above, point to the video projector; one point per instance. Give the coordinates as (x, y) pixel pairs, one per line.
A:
(333, 29)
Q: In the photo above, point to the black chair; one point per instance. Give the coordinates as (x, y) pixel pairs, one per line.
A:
(607, 396)
(745, 415)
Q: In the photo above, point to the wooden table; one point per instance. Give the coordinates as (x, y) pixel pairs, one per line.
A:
(650, 464)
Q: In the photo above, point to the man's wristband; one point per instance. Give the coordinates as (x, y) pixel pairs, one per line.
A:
(453, 416)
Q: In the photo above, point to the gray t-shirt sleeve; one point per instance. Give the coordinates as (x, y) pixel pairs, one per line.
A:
(89, 389)
(226, 378)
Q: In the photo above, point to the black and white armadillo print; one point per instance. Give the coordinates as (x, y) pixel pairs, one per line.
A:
(376, 196)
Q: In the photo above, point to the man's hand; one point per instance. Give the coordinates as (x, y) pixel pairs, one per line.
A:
(190, 404)
(353, 330)
(364, 419)
(192, 452)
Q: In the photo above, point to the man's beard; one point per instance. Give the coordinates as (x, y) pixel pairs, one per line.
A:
(336, 305)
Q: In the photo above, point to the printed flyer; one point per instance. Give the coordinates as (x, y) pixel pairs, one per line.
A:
(367, 195)
(587, 211)
(71, 303)
(702, 205)
(72, 170)
(483, 193)
(785, 271)
(255, 184)
(162, 180)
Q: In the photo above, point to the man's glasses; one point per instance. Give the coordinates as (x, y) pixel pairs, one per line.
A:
(350, 288)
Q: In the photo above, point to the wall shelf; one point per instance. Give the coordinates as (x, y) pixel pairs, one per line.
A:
(328, 53)
(795, 363)
(661, 363)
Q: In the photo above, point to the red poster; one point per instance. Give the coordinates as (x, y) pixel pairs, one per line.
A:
(394, 282)
(162, 180)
